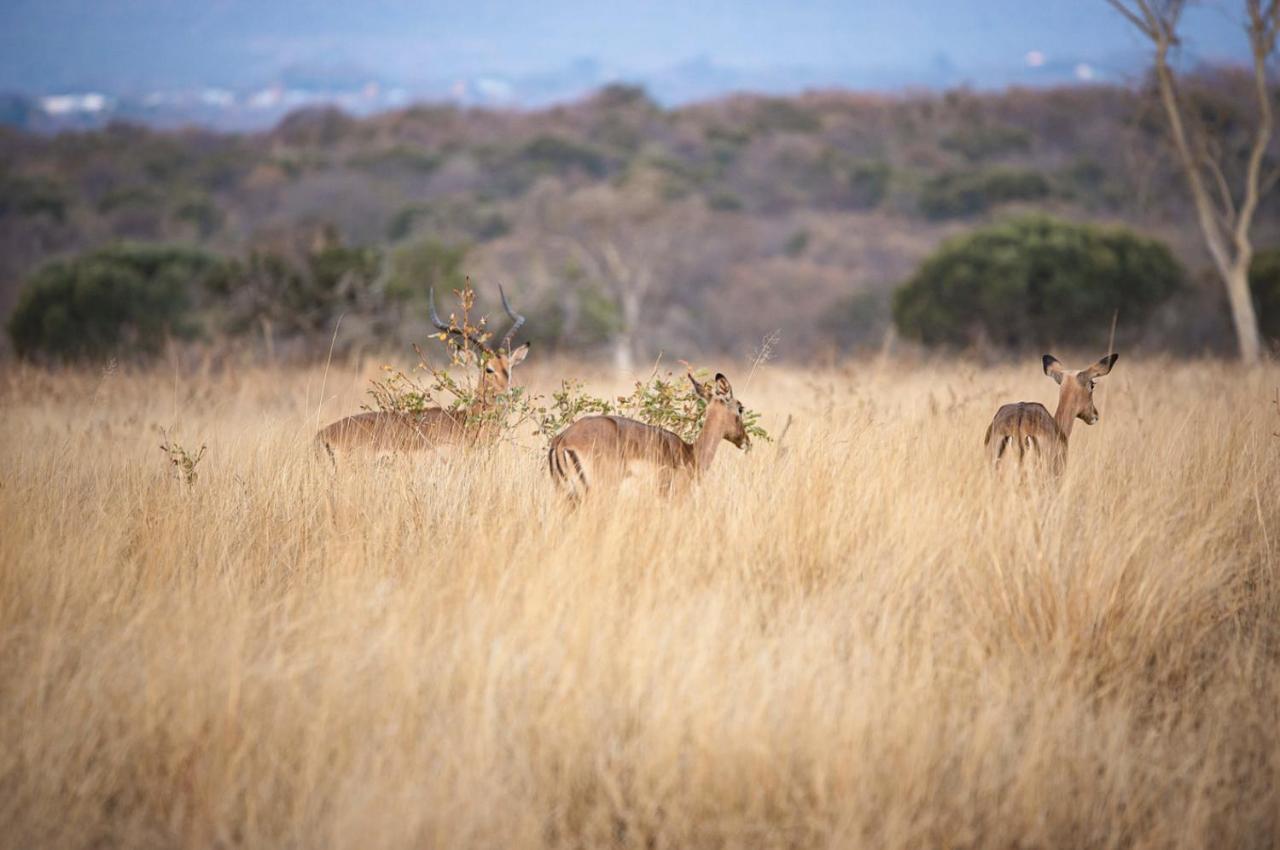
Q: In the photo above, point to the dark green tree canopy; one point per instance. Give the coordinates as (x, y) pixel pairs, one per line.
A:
(125, 296)
(1264, 281)
(1035, 280)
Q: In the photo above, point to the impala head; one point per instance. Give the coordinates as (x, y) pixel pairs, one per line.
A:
(724, 412)
(496, 363)
(1076, 394)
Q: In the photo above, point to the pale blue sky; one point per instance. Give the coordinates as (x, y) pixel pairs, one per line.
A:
(47, 45)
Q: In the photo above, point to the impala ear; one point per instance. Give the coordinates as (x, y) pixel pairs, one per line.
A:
(1053, 368)
(517, 357)
(1102, 367)
(723, 389)
(703, 391)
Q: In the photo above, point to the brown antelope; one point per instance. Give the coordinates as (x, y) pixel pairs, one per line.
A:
(607, 446)
(406, 432)
(1027, 425)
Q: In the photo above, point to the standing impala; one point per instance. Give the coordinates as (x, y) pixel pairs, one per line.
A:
(604, 447)
(1027, 425)
(385, 430)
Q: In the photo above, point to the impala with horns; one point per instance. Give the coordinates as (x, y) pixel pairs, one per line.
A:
(604, 448)
(1028, 428)
(384, 430)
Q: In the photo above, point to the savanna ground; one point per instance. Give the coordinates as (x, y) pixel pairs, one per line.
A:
(861, 640)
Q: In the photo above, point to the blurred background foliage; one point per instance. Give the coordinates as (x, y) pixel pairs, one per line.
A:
(1013, 219)
(125, 297)
(1035, 280)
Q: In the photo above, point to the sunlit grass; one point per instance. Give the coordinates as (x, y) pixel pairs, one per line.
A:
(857, 638)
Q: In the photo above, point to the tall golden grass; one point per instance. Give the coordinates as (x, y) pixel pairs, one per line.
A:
(860, 640)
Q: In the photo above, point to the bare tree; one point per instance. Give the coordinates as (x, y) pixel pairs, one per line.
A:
(629, 240)
(1225, 215)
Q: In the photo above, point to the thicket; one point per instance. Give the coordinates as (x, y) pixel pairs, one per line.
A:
(1264, 281)
(125, 298)
(1035, 280)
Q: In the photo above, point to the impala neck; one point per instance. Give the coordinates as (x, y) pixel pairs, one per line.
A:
(1065, 416)
(708, 440)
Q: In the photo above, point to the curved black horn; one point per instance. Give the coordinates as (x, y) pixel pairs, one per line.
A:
(516, 318)
(445, 326)
(435, 317)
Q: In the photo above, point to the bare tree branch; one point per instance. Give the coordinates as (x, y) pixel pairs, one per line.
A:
(1262, 40)
(1227, 215)
(1143, 23)
(1224, 227)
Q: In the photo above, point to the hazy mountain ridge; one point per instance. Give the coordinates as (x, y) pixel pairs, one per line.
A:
(362, 91)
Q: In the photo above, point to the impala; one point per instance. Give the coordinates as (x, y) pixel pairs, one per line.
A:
(605, 447)
(384, 430)
(1027, 425)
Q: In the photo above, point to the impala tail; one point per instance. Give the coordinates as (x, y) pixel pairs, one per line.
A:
(566, 469)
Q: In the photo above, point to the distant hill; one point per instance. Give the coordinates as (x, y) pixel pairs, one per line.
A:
(812, 207)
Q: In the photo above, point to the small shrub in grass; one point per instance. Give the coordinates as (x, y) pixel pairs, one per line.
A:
(667, 400)
(183, 461)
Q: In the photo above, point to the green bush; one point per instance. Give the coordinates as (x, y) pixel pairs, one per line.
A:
(1264, 281)
(978, 141)
(955, 194)
(303, 290)
(449, 217)
(867, 182)
(549, 154)
(116, 300)
(417, 267)
(780, 115)
(33, 196)
(397, 159)
(1035, 280)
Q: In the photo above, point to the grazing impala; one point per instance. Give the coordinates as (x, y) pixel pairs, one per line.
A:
(384, 430)
(1027, 425)
(606, 446)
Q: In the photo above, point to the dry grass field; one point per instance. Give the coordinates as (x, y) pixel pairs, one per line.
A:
(863, 640)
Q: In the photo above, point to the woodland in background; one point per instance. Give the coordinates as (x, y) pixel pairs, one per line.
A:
(619, 226)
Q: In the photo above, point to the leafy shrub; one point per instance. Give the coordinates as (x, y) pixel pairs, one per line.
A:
(316, 126)
(667, 401)
(977, 141)
(453, 216)
(1035, 280)
(722, 200)
(201, 212)
(623, 96)
(557, 154)
(125, 296)
(780, 115)
(397, 158)
(955, 194)
(128, 197)
(796, 243)
(1264, 281)
(417, 267)
(576, 315)
(866, 183)
(32, 196)
(301, 289)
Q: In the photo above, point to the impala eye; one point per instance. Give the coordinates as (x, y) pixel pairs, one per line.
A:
(489, 369)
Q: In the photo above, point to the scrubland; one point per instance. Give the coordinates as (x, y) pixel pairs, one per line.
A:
(856, 638)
